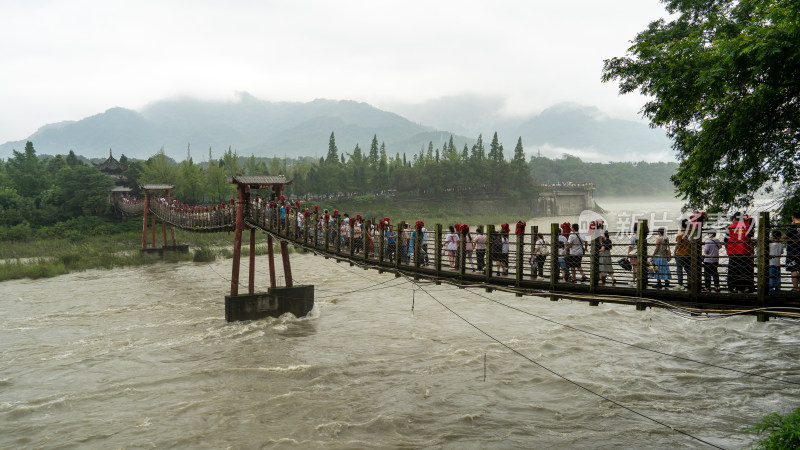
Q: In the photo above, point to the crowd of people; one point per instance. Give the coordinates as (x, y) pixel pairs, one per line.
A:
(662, 256)
(407, 243)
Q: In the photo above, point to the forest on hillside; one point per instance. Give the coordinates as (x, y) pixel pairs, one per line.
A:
(42, 191)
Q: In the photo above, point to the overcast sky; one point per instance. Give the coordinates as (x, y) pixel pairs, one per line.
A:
(66, 60)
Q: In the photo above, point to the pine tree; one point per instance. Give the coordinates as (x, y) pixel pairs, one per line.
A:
(496, 150)
(519, 152)
(373, 152)
(333, 152)
(478, 152)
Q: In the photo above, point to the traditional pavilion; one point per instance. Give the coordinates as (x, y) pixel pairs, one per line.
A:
(113, 169)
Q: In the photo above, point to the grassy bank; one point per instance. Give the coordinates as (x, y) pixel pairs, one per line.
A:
(79, 259)
(51, 257)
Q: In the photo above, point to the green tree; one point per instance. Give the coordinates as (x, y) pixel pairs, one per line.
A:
(55, 164)
(159, 169)
(333, 152)
(25, 172)
(218, 187)
(724, 82)
(478, 152)
(80, 191)
(374, 158)
(72, 159)
(191, 184)
(519, 152)
(496, 150)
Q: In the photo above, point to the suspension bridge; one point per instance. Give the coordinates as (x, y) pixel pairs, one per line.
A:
(526, 262)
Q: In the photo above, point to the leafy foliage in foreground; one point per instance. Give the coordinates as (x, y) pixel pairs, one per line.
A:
(779, 432)
(724, 81)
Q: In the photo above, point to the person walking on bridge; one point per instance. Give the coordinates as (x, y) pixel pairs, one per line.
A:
(576, 247)
(682, 254)
(480, 248)
(660, 259)
(711, 262)
(391, 242)
(451, 245)
(739, 248)
(539, 256)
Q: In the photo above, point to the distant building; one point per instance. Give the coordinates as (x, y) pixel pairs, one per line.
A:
(113, 169)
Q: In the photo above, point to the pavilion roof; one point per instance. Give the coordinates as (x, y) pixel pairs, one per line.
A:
(111, 165)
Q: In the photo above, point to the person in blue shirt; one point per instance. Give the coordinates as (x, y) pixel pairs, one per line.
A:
(391, 242)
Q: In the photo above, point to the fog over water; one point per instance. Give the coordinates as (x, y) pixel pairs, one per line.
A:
(142, 357)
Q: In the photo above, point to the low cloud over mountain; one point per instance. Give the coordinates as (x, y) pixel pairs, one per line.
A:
(293, 129)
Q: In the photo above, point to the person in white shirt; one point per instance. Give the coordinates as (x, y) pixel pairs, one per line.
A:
(576, 247)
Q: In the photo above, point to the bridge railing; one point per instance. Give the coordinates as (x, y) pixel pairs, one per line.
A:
(535, 259)
(621, 263)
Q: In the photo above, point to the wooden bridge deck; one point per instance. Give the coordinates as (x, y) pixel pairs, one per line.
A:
(324, 238)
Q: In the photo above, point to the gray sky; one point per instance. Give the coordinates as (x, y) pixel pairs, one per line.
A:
(66, 60)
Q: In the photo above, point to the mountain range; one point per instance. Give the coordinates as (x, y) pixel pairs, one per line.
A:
(294, 129)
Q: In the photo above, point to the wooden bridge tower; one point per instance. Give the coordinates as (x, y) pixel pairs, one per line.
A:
(153, 249)
(298, 300)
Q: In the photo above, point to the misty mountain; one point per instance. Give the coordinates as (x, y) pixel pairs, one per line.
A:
(253, 126)
(248, 125)
(580, 130)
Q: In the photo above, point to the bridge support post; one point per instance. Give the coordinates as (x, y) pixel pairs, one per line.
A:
(272, 281)
(338, 237)
(417, 252)
(252, 268)
(350, 236)
(641, 254)
(437, 247)
(489, 260)
(520, 266)
(381, 240)
(397, 246)
(164, 229)
(461, 254)
(762, 261)
(287, 268)
(153, 229)
(593, 266)
(695, 264)
(144, 218)
(237, 242)
(554, 267)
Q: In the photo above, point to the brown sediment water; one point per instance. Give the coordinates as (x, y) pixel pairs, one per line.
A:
(143, 357)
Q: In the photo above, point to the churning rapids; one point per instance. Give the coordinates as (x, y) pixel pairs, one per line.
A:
(143, 357)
